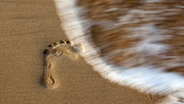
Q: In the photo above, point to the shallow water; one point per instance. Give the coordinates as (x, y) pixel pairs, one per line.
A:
(132, 43)
(27, 27)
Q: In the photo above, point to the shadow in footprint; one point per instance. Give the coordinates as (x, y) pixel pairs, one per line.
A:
(55, 50)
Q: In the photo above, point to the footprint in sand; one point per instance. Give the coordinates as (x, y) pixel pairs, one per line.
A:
(56, 50)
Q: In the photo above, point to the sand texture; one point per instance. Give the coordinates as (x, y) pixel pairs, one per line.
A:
(27, 27)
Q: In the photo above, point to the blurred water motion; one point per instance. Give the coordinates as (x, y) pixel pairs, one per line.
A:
(131, 43)
(138, 32)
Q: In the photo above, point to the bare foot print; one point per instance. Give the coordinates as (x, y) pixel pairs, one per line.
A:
(50, 80)
(57, 49)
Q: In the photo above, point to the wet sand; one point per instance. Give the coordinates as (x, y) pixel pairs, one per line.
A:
(27, 27)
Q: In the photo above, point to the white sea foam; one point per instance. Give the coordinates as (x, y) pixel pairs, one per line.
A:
(107, 25)
(149, 34)
(111, 9)
(180, 7)
(152, 1)
(148, 79)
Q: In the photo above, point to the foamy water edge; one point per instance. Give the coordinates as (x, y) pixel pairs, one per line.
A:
(147, 79)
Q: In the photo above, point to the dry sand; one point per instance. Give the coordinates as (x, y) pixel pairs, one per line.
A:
(26, 28)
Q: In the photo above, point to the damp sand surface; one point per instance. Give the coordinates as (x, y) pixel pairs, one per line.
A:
(27, 27)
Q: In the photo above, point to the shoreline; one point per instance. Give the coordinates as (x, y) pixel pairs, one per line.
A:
(27, 28)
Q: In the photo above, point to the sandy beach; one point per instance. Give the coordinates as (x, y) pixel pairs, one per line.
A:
(26, 29)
